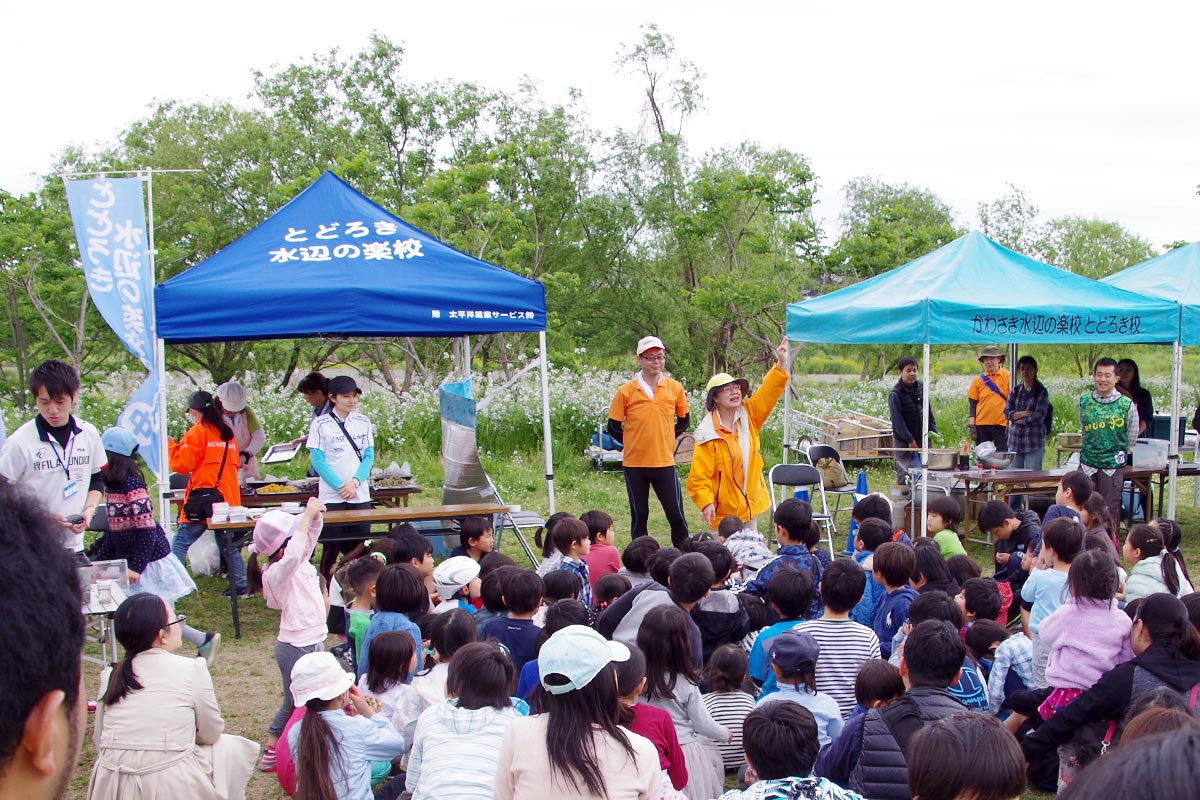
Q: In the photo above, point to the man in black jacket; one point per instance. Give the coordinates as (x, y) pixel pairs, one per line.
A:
(904, 408)
(868, 755)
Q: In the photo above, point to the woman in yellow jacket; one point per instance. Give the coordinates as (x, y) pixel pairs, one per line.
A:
(726, 478)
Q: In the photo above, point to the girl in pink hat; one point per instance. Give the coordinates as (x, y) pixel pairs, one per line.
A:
(292, 585)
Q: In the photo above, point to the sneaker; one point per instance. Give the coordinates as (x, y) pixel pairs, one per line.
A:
(208, 651)
(243, 594)
(91, 706)
(267, 764)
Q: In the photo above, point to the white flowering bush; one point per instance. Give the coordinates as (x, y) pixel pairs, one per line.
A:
(510, 416)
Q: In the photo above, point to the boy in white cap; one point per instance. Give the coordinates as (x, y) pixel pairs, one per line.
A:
(457, 582)
(646, 416)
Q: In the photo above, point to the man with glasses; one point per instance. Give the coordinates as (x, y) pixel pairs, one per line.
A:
(646, 416)
(1109, 421)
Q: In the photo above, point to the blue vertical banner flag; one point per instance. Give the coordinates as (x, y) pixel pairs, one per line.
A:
(110, 226)
(109, 216)
(141, 418)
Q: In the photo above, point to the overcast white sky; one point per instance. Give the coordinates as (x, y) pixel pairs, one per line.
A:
(1092, 108)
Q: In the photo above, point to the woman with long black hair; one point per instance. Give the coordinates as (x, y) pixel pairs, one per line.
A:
(575, 749)
(208, 455)
(159, 731)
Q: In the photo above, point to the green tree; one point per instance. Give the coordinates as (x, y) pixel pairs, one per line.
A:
(885, 226)
(1093, 248)
(1011, 220)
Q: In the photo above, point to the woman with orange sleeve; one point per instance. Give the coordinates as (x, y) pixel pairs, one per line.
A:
(208, 455)
(726, 478)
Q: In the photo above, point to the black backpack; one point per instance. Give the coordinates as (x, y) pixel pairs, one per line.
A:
(1049, 420)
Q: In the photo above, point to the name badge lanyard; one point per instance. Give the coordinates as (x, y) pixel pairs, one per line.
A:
(64, 461)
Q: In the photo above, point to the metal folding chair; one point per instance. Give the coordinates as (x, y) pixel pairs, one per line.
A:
(818, 451)
(804, 476)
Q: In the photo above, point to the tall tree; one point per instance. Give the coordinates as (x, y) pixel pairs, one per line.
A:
(885, 226)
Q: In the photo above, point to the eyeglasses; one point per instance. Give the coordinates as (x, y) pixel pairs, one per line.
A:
(182, 618)
(659, 357)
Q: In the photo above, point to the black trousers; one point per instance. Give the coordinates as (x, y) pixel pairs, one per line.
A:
(665, 481)
(992, 433)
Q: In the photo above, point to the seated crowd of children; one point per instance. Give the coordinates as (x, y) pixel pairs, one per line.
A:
(902, 671)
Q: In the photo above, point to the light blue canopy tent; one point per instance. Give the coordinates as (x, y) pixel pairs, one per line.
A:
(974, 291)
(331, 261)
(1173, 276)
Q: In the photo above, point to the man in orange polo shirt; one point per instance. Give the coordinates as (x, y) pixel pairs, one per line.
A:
(646, 415)
(986, 398)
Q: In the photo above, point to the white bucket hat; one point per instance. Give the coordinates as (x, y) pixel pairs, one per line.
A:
(318, 676)
(232, 396)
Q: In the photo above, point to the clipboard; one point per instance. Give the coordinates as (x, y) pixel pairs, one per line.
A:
(279, 452)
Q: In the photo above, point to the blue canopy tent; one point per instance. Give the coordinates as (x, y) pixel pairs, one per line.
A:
(974, 291)
(333, 262)
(1173, 276)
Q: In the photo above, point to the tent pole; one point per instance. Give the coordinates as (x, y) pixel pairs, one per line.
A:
(546, 420)
(925, 443)
(787, 408)
(160, 356)
(1173, 445)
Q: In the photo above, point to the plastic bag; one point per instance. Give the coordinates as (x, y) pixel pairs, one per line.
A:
(204, 556)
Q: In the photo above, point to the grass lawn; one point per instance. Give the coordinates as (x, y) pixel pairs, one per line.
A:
(246, 677)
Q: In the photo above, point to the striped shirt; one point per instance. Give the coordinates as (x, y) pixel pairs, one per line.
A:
(456, 751)
(845, 646)
(730, 709)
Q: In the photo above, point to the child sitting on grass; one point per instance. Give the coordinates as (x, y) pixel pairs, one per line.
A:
(872, 532)
(979, 599)
(1074, 489)
(877, 684)
(727, 699)
(892, 567)
(361, 575)
(942, 520)
(523, 590)
(1015, 535)
(781, 749)
(793, 520)
(748, 547)
(571, 540)
(476, 538)
(603, 558)
(1046, 589)
(652, 722)
(457, 582)
(635, 560)
(794, 657)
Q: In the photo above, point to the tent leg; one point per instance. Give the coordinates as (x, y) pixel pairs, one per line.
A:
(1173, 444)
(925, 444)
(546, 422)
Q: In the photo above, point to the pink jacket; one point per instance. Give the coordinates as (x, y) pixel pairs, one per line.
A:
(1086, 639)
(293, 585)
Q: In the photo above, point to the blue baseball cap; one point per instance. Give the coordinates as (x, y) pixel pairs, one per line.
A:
(578, 654)
(792, 648)
(120, 441)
